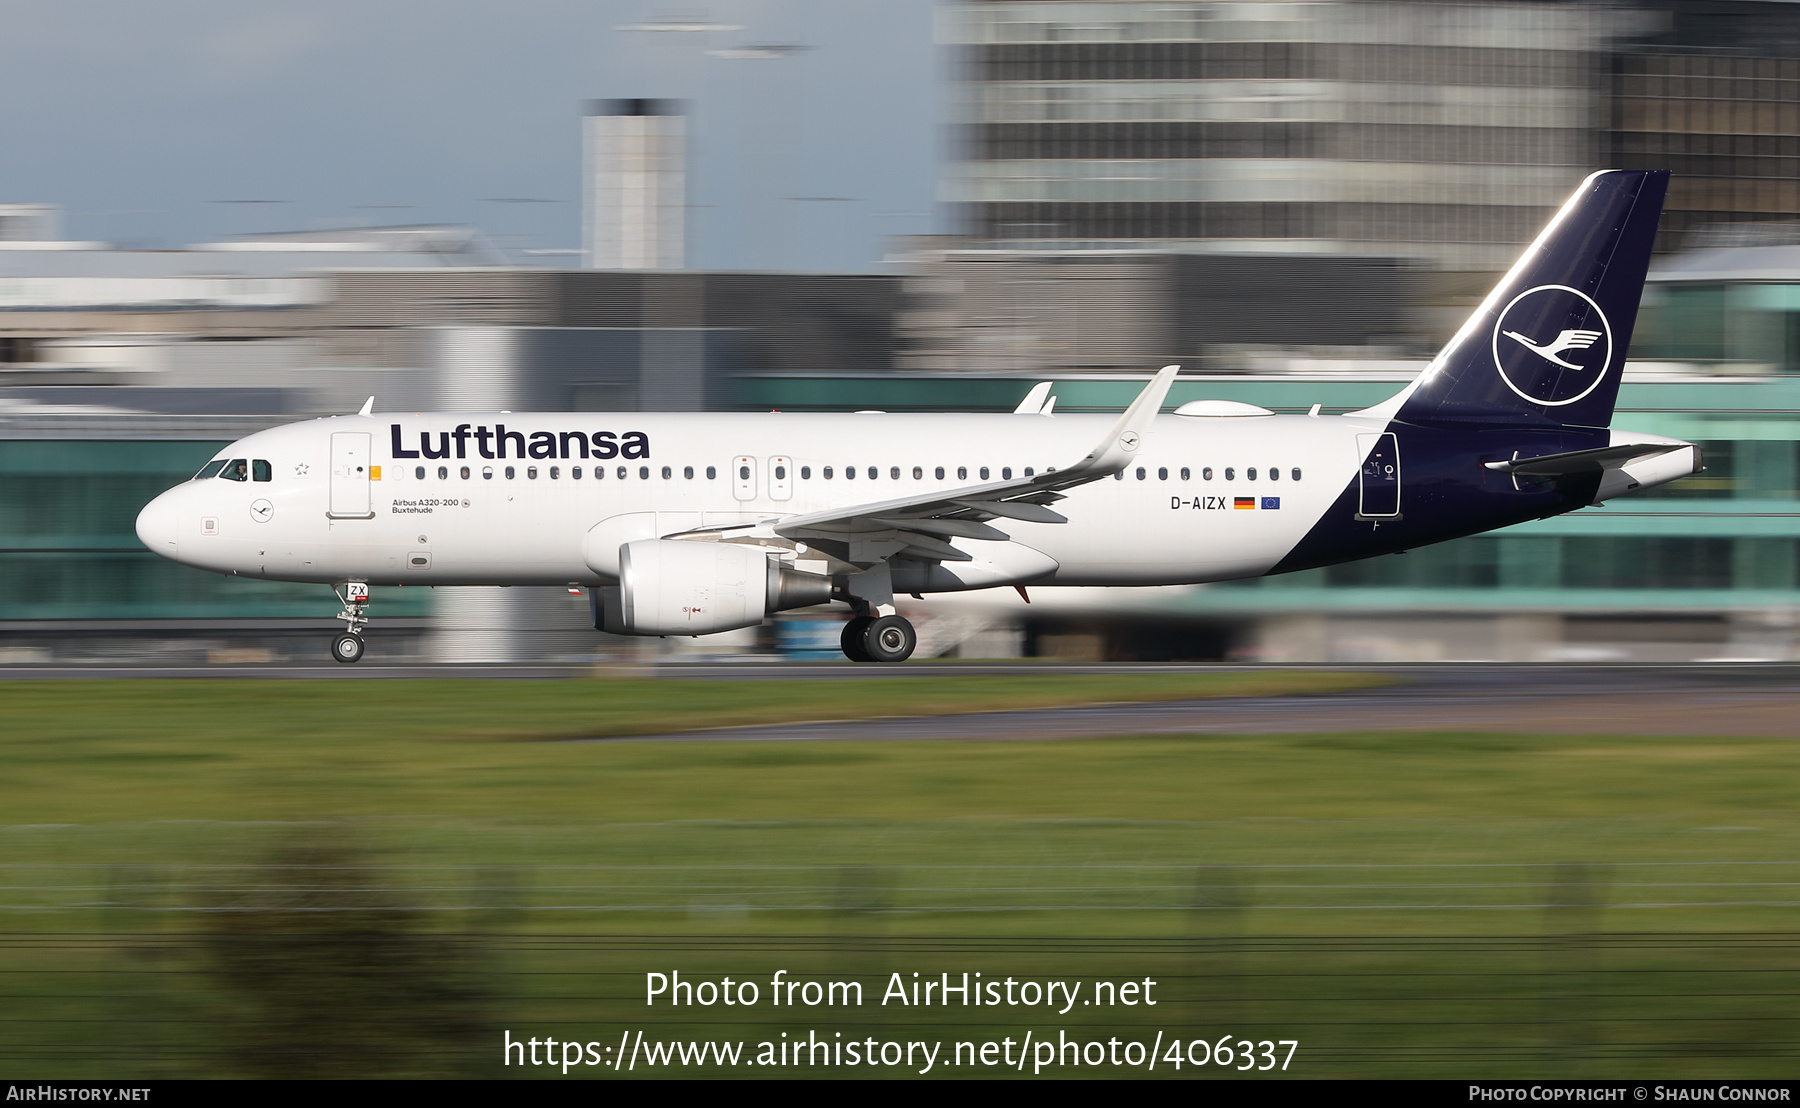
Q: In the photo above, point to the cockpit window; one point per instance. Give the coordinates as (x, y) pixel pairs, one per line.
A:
(238, 469)
(210, 469)
(260, 470)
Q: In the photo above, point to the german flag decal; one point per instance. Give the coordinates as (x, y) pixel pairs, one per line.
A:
(1244, 503)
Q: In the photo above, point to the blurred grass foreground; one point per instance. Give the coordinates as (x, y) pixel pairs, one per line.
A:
(378, 878)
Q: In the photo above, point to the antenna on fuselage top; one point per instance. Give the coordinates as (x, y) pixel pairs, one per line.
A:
(368, 406)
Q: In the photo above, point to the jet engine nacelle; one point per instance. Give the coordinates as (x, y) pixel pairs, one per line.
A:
(673, 587)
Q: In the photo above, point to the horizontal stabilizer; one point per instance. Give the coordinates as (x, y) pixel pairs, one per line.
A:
(1583, 461)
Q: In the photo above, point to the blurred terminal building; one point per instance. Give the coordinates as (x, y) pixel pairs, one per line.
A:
(1297, 200)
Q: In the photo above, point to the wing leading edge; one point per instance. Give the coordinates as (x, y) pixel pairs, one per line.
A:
(923, 526)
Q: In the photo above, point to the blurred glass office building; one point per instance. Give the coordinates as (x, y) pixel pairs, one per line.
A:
(1434, 130)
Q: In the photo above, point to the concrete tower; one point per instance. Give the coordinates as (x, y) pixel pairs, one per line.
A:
(634, 184)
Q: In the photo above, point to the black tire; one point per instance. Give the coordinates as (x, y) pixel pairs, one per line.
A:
(347, 648)
(890, 639)
(852, 639)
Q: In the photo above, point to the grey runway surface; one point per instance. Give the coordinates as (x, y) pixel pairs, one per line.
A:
(1673, 700)
(1703, 699)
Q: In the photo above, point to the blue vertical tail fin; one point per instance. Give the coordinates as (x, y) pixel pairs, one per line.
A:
(1548, 344)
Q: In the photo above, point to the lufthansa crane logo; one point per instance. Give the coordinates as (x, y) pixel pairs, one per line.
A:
(1552, 345)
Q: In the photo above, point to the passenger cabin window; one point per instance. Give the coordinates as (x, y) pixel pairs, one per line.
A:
(984, 473)
(1006, 473)
(1294, 474)
(687, 473)
(484, 473)
(827, 472)
(443, 473)
(575, 473)
(1186, 473)
(805, 473)
(962, 473)
(419, 472)
(1206, 474)
(712, 473)
(1274, 473)
(1230, 474)
(238, 469)
(668, 472)
(261, 470)
(210, 469)
(531, 472)
(1250, 473)
(940, 473)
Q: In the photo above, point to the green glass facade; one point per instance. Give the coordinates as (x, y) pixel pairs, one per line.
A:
(1752, 327)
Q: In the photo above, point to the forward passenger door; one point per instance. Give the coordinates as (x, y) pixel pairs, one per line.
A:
(350, 476)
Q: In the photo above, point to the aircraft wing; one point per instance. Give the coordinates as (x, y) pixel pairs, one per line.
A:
(920, 526)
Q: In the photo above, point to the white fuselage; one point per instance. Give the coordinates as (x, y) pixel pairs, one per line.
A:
(420, 520)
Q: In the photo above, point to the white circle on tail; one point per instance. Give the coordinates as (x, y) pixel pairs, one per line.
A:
(1552, 345)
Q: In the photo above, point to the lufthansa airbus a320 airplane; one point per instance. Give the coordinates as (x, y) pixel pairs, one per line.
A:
(688, 524)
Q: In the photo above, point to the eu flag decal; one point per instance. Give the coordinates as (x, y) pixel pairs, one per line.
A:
(1270, 503)
(1242, 503)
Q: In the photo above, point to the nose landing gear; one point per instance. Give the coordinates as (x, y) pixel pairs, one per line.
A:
(348, 646)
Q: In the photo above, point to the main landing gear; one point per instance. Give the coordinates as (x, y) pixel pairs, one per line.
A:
(348, 645)
(878, 639)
